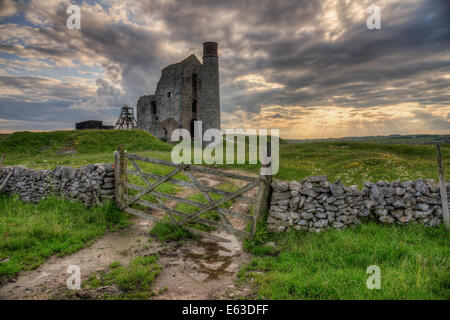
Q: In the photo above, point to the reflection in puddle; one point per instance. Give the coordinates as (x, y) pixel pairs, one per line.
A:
(212, 262)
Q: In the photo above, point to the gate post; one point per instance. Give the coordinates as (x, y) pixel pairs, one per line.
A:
(264, 191)
(444, 200)
(120, 175)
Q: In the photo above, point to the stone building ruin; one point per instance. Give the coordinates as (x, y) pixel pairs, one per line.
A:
(187, 91)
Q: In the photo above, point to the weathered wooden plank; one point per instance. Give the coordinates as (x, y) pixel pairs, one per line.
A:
(221, 201)
(117, 177)
(220, 211)
(192, 167)
(206, 235)
(188, 202)
(144, 215)
(141, 214)
(140, 173)
(153, 186)
(444, 200)
(262, 202)
(123, 172)
(195, 184)
(150, 160)
(213, 224)
(120, 175)
(169, 213)
(6, 179)
(224, 174)
(192, 186)
(209, 198)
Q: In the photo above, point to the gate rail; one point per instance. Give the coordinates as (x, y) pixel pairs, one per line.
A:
(125, 200)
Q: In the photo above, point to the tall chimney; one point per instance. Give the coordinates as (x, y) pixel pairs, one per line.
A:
(210, 92)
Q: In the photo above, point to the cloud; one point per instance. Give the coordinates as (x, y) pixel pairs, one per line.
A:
(280, 61)
(7, 8)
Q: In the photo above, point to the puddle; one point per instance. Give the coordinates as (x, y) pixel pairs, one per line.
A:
(125, 253)
(211, 261)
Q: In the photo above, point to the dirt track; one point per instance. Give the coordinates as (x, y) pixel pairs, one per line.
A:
(191, 270)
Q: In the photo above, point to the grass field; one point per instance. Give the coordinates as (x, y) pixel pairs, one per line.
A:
(414, 261)
(352, 162)
(358, 162)
(397, 139)
(82, 141)
(44, 150)
(30, 233)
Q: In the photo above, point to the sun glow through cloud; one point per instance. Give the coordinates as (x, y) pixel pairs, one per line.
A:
(310, 68)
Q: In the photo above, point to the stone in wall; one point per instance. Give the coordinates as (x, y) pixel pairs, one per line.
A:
(315, 204)
(90, 184)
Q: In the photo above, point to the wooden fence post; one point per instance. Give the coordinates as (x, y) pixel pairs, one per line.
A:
(117, 176)
(443, 189)
(120, 175)
(264, 191)
(124, 178)
(3, 184)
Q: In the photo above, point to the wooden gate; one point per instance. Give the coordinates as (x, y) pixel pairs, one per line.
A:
(125, 199)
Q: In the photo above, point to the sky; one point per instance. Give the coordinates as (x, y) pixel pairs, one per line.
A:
(310, 68)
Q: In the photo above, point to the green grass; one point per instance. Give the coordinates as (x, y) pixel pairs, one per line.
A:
(398, 139)
(414, 260)
(155, 169)
(165, 232)
(50, 161)
(82, 141)
(414, 263)
(41, 150)
(209, 215)
(134, 280)
(53, 226)
(353, 162)
(357, 162)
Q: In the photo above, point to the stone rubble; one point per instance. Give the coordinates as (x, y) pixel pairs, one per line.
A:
(91, 184)
(315, 204)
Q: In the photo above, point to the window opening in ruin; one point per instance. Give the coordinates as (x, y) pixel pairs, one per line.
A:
(194, 84)
(169, 94)
(194, 106)
(153, 107)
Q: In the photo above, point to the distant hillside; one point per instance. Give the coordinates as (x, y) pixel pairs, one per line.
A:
(397, 139)
(81, 142)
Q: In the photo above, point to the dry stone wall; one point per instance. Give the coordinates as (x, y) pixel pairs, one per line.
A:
(316, 204)
(313, 204)
(90, 184)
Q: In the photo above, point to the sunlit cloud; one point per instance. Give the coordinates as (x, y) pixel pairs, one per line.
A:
(326, 122)
(310, 68)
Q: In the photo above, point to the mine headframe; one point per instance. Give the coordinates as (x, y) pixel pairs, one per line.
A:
(126, 119)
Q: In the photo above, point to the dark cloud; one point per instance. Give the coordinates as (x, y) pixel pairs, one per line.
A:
(306, 53)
